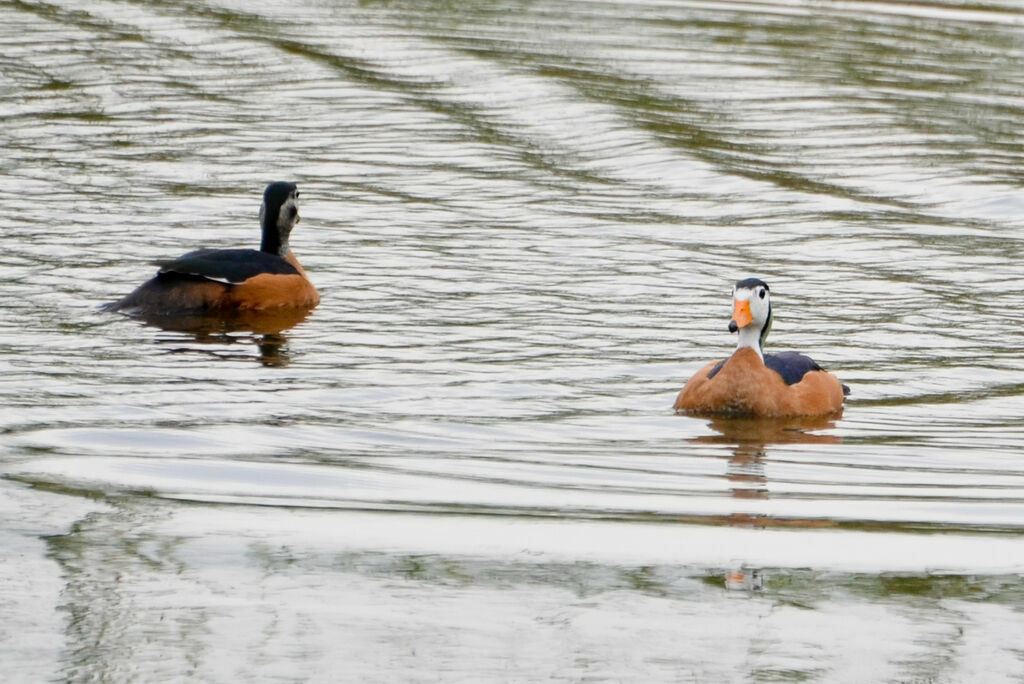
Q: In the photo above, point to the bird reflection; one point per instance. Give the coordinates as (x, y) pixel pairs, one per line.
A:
(750, 430)
(273, 350)
(264, 328)
(745, 472)
(749, 437)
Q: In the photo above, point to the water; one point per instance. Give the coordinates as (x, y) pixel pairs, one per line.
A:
(524, 220)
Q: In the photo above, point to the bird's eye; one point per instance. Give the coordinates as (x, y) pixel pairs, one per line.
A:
(761, 293)
(296, 194)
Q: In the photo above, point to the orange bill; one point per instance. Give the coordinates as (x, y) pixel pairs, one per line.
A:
(741, 313)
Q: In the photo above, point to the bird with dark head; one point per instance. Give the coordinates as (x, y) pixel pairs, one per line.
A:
(226, 281)
(751, 382)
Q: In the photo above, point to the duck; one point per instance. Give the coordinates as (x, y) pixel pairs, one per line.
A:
(753, 383)
(233, 281)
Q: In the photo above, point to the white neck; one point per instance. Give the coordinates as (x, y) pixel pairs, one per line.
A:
(750, 336)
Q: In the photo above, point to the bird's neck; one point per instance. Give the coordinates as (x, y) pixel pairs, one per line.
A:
(750, 337)
(272, 242)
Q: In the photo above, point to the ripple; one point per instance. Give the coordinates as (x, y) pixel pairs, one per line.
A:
(524, 225)
(524, 219)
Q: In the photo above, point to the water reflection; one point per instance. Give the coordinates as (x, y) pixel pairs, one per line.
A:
(749, 438)
(273, 350)
(264, 328)
(150, 590)
(745, 472)
(747, 431)
(100, 603)
(265, 322)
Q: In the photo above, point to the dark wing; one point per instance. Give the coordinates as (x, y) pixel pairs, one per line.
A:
(718, 367)
(791, 365)
(226, 265)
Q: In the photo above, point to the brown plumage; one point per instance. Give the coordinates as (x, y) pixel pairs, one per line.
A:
(751, 383)
(228, 281)
(744, 385)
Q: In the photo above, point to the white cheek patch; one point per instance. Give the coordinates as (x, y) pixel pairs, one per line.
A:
(285, 217)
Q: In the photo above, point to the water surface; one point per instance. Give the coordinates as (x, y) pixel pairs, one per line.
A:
(524, 220)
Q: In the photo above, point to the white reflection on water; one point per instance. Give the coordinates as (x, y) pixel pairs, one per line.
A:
(239, 592)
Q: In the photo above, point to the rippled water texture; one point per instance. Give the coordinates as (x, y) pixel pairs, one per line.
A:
(524, 220)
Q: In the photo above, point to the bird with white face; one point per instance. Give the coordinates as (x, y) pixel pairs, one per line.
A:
(751, 382)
